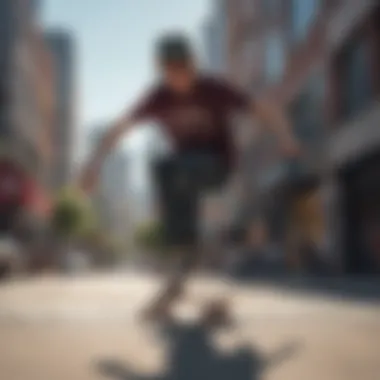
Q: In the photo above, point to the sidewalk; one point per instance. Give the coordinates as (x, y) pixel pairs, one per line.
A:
(86, 329)
(355, 288)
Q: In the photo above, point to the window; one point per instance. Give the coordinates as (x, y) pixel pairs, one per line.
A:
(248, 7)
(248, 57)
(6, 24)
(270, 8)
(356, 89)
(249, 50)
(307, 112)
(302, 16)
(274, 58)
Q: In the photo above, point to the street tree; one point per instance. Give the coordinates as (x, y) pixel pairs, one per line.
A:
(73, 215)
(150, 238)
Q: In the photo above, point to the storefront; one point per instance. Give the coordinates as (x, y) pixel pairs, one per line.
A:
(12, 194)
(305, 225)
(23, 203)
(293, 209)
(361, 215)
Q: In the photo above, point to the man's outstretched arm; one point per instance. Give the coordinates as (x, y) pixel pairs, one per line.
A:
(267, 111)
(91, 170)
(274, 117)
(145, 109)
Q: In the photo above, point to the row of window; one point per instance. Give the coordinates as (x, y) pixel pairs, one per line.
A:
(355, 71)
(302, 15)
(354, 78)
(307, 110)
(356, 87)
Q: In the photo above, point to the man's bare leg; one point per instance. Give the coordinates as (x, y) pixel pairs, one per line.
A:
(162, 304)
(216, 308)
(215, 311)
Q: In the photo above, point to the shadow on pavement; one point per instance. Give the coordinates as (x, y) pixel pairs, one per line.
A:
(350, 289)
(193, 355)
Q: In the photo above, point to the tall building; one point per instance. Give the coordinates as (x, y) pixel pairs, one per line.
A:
(35, 7)
(215, 33)
(62, 49)
(26, 109)
(319, 59)
(216, 210)
(111, 196)
(352, 179)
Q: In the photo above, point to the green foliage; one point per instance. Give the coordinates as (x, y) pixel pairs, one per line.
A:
(150, 237)
(72, 214)
(107, 245)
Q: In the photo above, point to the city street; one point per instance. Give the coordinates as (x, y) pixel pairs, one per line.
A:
(86, 328)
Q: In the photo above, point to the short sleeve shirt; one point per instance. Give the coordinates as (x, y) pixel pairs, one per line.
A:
(199, 120)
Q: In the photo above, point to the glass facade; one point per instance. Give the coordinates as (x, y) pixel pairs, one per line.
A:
(274, 57)
(303, 14)
(356, 78)
(271, 8)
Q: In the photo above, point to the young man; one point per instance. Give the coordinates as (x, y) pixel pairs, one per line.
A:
(195, 111)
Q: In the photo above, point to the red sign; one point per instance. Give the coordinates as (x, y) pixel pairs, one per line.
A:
(37, 201)
(18, 188)
(11, 183)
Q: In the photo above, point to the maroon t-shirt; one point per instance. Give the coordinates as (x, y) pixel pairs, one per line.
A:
(196, 121)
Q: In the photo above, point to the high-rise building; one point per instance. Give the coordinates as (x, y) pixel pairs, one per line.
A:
(26, 106)
(318, 60)
(215, 32)
(35, 7)
(62, 50)
(111, 196)
(217, 210)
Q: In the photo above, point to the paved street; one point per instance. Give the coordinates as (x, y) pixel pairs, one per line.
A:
(86, 328)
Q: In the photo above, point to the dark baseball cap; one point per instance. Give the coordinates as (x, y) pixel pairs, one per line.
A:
(174, 48)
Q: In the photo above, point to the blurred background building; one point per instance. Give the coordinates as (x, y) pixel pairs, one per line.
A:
(215, 38)
(110, 198)
(27, 113)
(61, 45)
(320, 59)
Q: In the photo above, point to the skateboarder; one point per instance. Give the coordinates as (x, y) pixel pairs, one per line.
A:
(195, 110)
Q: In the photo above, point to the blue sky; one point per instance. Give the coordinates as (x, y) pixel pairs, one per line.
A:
(113, 43)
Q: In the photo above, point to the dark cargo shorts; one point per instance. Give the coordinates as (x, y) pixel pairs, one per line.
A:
(181, 180)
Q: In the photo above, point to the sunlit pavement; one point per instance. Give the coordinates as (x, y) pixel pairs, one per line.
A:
(53, 329)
